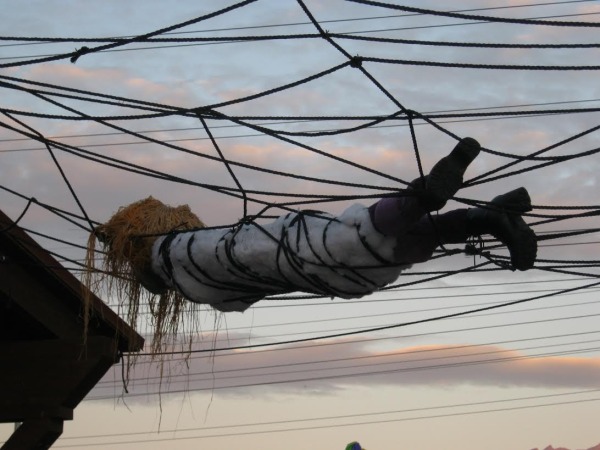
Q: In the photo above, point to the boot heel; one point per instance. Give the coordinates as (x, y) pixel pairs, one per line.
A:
(509, 229)
(523, 251)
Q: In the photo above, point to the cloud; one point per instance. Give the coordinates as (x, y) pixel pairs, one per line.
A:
(328, 366)
(130, 82)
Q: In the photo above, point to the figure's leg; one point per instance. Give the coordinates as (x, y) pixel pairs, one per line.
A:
(502, 219)
(394, 216)
(428, 233)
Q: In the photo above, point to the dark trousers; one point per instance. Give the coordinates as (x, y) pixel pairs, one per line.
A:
(417, 232)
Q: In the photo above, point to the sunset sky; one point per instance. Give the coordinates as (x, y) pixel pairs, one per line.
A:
(518, 377)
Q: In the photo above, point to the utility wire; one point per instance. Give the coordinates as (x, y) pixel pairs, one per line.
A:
(354, 424)
(208, 112)
(45, 40)
(345, 416)
(187, 377)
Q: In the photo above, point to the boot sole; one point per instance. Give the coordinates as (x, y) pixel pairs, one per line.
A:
(524, 241)
(523, 245)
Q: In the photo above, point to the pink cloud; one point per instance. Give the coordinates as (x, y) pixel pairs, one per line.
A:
(113, 81)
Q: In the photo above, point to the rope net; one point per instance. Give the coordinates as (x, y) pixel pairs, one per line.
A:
(255, 119)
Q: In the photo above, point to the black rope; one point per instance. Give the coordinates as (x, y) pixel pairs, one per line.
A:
(18, 219)
(227, 165)
(65, 215)
(58, 166)
(154, 110)
(457, 15)
(533, 155)
(554, 161)
(480, 66)
(350, 35)
(73, 56)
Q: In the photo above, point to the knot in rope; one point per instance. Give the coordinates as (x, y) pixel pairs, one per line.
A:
(471, 250)
(410, 113)
(78, 53)
(356, 62)
(246, 220)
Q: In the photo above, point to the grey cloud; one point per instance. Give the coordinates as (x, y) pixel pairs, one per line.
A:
(326, 367)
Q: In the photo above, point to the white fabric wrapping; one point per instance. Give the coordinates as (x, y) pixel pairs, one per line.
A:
(231, 268)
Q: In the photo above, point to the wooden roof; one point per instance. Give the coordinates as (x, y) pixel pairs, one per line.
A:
(47, 365)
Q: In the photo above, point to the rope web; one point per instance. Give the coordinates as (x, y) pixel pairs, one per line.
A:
(308, 160)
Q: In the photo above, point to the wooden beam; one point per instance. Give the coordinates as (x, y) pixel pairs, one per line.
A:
(46, 378)
(37, 434)
(47, 368)
(56, 288)
(37, 301)
(27, 411)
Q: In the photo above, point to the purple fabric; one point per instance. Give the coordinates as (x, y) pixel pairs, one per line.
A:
(394, 216)
(417, 233)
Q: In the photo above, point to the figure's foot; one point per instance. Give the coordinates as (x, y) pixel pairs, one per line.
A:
(503, 221)
(446, 177)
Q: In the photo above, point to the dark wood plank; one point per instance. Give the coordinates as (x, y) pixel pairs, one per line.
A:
(18, 248)
(37, 434)
(43, 376)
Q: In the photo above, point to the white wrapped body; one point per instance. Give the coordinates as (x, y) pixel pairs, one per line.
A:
(231, 268)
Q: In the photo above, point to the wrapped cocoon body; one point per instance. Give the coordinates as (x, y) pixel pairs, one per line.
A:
(166, 255)
(315, 252)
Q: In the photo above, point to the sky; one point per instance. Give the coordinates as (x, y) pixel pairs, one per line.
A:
(519, 377)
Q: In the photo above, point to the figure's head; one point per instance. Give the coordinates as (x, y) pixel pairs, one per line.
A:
(354, 446)
(129, 234)
(128, 237)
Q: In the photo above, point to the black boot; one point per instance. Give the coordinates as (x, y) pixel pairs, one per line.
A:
(514, 202)
(446, 176)
(503, 221)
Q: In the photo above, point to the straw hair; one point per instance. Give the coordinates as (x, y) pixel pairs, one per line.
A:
(126, 268)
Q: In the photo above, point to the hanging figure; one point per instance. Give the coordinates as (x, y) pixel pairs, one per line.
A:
(349, 256)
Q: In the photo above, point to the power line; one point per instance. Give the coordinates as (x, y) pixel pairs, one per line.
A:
(49, 40)
(207, 355)
(312, 119)
(309, 378)
(473, 17)
(345, 416)
(74, 56)
(371, 329)
(316, 427)
(348, 35)
(319, 333)
(46, 40)
(187, 377)
(412, 311)
(213, 115)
